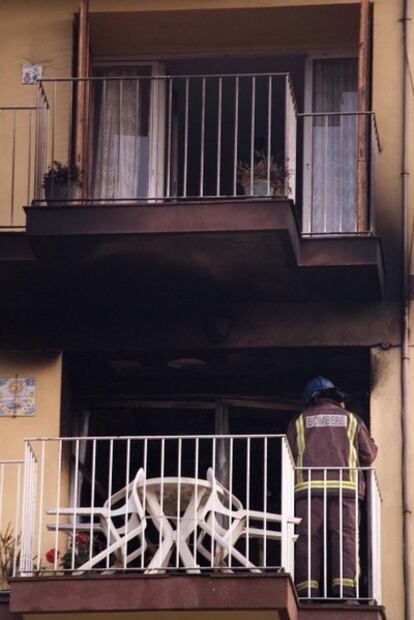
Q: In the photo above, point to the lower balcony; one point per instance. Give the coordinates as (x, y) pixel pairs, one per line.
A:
(174, 525)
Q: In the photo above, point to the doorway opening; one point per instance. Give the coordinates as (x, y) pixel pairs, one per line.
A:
(203, 393)
(180, 414)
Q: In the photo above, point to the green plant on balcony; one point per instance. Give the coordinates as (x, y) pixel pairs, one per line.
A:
(61, 182)
(77, 552)
(268, 175)
(9, 554)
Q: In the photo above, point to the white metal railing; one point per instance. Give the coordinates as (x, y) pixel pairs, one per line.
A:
(338, 553)
(168, 138)
(339, 164)
(175, 137)
(154, 504)
(28, 512)
(197, 503)
(374, 149)
(374, 529)
(11, 488)
(20, 135)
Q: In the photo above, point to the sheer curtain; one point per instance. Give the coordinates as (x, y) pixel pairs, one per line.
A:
(334, 146)
(122, 148)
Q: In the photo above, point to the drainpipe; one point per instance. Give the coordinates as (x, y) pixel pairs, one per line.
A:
(405, 353)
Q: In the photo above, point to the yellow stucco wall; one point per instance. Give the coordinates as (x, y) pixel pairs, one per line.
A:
(35, 32)
(410, 403)
(46, 368)
(387, 104)
(410, 444)
(410, 473)
(39, 32)
(386, 429)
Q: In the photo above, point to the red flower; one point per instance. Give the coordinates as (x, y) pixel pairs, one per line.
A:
(82, 539)
(52, 555)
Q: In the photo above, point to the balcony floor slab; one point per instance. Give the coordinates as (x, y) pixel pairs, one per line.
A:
(242, 250)
(156, 597)
(173, 597)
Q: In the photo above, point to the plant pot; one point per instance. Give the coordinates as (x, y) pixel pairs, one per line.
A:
(56, 191)
(259, 188)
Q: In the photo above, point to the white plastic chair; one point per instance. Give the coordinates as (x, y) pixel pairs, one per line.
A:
(223, 506)
(125, 507)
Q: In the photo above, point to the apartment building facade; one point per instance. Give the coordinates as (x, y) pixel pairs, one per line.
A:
(204, 204)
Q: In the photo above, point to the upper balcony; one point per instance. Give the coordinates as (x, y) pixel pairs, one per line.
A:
(218, 175)
(193, 522)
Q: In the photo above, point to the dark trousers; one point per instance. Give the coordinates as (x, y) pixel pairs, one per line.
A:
(340, 547)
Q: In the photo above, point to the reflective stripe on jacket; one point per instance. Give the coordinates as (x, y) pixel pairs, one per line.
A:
(327, 435)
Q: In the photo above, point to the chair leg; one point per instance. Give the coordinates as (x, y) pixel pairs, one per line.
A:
(187, 558)
(233, 552)
(112, 548)
(162, 556)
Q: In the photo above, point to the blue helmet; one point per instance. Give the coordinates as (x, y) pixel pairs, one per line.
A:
(316, 385)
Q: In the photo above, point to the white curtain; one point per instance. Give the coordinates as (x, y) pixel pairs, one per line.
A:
(334, 146)
(122, 148)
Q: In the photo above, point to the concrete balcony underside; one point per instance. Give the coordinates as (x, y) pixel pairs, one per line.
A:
(229, 249)
(172, 597)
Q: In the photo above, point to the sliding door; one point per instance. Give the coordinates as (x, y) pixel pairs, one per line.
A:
(330, 156)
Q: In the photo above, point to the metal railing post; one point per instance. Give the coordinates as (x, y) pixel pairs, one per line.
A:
(290, 140)
(28, 511)
(375, 536)
(287, 510)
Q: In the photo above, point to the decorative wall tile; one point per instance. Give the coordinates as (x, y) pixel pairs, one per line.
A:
(17, 396)
(31, 74)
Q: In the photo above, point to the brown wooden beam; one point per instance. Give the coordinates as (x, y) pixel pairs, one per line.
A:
(82, 94)
(363, 120)
(364, 54)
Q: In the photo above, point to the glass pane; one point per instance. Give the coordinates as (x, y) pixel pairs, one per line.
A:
(334, 141)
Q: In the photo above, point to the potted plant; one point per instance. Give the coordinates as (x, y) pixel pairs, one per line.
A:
(61, 182)
(9, 555)
(267, 171)
(77, 554)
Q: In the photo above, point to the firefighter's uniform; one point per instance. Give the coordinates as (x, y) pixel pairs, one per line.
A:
(327, 435)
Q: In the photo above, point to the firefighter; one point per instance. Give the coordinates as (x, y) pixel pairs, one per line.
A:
(326, 435)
